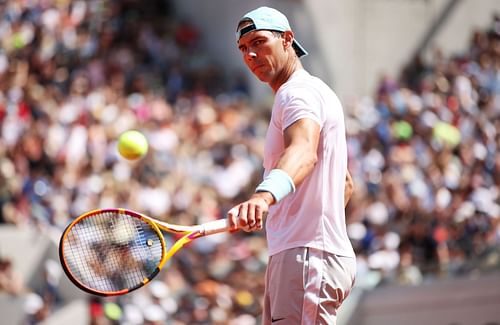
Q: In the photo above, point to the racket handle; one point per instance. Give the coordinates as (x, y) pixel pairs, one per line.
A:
(214, 227)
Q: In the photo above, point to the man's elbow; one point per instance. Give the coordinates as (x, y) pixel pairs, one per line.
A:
(349, 188)
(312, 160)
(350, 185)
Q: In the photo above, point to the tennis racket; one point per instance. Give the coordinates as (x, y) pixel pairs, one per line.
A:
(110, 252)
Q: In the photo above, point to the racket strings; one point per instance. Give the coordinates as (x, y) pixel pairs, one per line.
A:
(110, 251)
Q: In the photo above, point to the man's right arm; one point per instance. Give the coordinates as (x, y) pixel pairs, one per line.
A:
(297, 161)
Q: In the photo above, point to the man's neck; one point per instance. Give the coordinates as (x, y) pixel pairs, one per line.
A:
(292, 65)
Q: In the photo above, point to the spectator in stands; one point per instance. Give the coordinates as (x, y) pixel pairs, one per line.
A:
(10, 281)
(427, 149)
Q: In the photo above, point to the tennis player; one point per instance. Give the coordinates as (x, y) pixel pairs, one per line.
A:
(306, 184)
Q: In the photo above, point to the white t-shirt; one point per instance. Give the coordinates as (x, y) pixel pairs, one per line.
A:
(314, 215)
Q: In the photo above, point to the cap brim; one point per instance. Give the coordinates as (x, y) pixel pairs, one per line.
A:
(299, 49)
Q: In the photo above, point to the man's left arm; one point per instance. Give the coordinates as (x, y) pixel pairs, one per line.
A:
(349, 188)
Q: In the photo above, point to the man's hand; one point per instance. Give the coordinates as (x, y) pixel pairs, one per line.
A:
(249, 215)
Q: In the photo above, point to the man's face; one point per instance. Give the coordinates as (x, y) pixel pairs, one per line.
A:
(263, 53)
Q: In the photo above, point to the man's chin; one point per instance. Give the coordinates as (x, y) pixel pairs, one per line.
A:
(261, 77)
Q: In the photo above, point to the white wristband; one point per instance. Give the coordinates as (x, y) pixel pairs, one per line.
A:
(278, 183)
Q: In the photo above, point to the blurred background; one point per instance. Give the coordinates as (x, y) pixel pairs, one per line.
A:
(420, 84)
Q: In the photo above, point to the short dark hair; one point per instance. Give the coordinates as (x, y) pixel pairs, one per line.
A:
(276, 33)
(248, 21)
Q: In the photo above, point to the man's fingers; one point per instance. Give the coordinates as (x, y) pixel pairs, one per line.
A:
(248, 216)
(232, 216)
(259, 216)
(242, 215)
(251, 215)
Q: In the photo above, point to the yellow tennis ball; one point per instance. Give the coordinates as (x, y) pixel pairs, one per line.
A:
(132, 145)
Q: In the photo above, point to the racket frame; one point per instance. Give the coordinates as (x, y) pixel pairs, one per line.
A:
(189, 234)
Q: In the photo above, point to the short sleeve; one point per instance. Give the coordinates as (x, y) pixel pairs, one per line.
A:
(299, 103)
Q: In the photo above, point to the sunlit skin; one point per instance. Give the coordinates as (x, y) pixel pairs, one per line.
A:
(273, 60)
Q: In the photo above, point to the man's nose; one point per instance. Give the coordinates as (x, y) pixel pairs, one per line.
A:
(251, 55)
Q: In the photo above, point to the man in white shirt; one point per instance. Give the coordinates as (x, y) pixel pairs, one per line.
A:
(312, 264)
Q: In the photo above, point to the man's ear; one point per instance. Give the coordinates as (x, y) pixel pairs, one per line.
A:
(288, 39)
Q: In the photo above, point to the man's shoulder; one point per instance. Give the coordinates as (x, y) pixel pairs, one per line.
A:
(304, 79)
(304, 85)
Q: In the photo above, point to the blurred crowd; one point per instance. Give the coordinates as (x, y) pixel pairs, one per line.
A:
(424, 154)
(75, 74)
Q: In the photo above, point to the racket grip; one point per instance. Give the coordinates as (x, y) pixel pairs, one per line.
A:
(214, 227)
